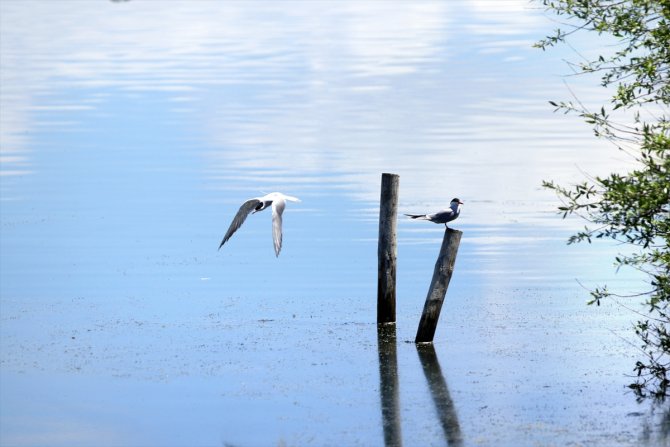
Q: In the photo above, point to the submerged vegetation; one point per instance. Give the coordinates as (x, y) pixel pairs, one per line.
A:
(633, 208)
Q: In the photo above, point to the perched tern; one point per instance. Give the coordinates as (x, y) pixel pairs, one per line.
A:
(444, 216)
(251, 206)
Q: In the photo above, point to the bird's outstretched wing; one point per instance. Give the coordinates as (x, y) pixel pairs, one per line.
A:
(246, 208)
(277, 210)
(291, 198)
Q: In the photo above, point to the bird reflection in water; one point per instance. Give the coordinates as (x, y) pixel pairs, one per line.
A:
(389, 389)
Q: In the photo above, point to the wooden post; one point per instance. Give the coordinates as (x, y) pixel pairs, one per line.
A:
(389, 387)
(444, 405)
(387, 249)
(444, 267)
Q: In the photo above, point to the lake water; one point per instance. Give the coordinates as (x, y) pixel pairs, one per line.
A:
(131, 133)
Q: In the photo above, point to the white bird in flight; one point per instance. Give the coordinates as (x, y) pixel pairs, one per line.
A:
(444, 216)
(251, 206)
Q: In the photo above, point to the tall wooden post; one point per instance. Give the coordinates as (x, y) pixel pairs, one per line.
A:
(444, 267)
(387, 248)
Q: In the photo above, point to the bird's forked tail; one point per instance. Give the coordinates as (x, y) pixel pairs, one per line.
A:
(416, 216)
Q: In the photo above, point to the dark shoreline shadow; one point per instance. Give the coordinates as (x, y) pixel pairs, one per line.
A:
(444, 405)
(389, 387)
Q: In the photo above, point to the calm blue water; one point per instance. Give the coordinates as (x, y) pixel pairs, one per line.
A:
(131, 133)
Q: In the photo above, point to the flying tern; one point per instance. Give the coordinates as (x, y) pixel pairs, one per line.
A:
(251, 206)
(444, 216)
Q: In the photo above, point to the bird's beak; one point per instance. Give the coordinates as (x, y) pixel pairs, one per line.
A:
(460, 202)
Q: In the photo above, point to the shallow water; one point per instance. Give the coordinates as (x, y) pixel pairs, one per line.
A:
(131, 133)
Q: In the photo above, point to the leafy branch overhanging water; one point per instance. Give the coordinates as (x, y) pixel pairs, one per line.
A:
(633, 208)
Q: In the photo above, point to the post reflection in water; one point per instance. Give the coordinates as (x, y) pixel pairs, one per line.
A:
(446, 411)
(389, 388)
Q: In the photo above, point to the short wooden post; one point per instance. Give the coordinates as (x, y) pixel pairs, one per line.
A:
(444, 267)
(389, 387)
(387, 249)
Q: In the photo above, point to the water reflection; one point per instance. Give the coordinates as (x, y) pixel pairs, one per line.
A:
(444, 405)
(347, 99)
(656, 425)
(389, 388)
